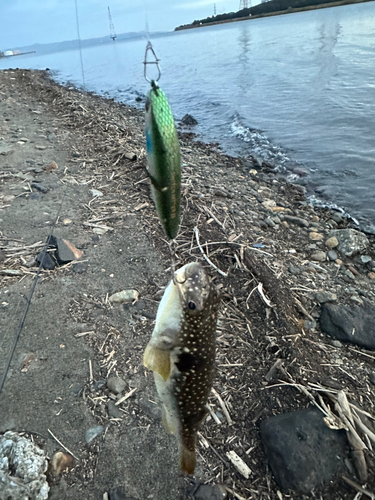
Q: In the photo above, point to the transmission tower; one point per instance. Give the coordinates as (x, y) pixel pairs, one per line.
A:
(244, 4)
(214, 9)
(112, 32)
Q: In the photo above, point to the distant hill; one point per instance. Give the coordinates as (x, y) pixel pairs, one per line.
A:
(269, 8)
(47, 48)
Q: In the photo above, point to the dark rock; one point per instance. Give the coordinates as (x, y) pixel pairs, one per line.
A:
(208, 492)
(150, 409)
(372, 378)
(113, 410)
(63, 252)
(189, 120)
(118, 494)
(140, 305)
(98, 385)
(296, 220)
(337, 216)
(294, 270)
(302, 451)
(48, 261)
(354, 324)
(2, 256)
(80, 267)
(332, 255)
(76, 388)
(35, 196)
(116, 384)
(39, 187)
(270, 222)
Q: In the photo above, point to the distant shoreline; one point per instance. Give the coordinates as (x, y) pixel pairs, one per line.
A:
(276, 13)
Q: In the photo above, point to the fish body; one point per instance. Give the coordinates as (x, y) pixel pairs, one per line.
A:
(163, 159)
(181, 353)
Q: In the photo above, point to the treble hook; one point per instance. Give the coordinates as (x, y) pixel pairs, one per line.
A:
(149, 48)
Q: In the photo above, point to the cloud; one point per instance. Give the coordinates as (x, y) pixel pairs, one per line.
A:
(197, 4)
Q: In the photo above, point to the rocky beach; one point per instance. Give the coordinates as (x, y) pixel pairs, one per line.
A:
(292, 409)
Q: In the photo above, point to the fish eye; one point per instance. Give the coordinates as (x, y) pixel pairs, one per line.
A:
(191, 305)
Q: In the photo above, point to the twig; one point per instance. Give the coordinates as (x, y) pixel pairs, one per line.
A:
(196, 231)
(358, 487)
(124, 398)
(223, 407)
(60, 443)
(91, 376)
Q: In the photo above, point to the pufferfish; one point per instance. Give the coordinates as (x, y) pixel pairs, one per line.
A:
(181, 353)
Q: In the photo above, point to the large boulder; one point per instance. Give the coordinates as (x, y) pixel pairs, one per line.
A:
(354, 324)
(302, 451)
(350, 241)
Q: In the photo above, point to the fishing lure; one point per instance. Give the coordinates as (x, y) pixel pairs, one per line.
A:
(163, 155)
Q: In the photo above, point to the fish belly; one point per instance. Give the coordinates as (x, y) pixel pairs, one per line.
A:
(169, 406)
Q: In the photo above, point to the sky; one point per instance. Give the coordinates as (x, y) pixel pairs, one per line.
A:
(25, 22)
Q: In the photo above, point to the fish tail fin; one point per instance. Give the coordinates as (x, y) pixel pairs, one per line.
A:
(187, 460)
(157, 360)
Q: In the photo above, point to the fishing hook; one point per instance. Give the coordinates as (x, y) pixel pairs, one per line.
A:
(149, 48)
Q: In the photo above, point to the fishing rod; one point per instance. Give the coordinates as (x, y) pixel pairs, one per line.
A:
(29, 298)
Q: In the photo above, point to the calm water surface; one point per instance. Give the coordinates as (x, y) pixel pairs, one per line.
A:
(293, 90)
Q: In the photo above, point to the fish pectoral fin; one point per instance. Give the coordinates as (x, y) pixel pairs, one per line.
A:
(187, 460)
(157, 360)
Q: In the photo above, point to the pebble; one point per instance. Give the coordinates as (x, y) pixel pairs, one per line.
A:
(98, 385)
(319, 256)
(41, 148)
(93, 432)
(332, 242)
(349, 274)
(315, 236)
(338, 262)
(34, 196)
(371, 275)
(270, 222)
(353, 270)
(39, 187)
(296, 220)
(309, 325)
(336, 343)
(124, 296)
(337, 217)
(294, 270)
(113, 410)
(365, 259)
(116, 384)
(324, 296)
(332, 255)
(80, 267)
(372, 377)
(76, 388)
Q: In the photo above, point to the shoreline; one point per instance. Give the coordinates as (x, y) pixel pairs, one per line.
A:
(277, 13)
(253, 225)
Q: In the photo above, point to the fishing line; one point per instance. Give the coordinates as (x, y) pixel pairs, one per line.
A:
(29, 298)
(80, 45)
